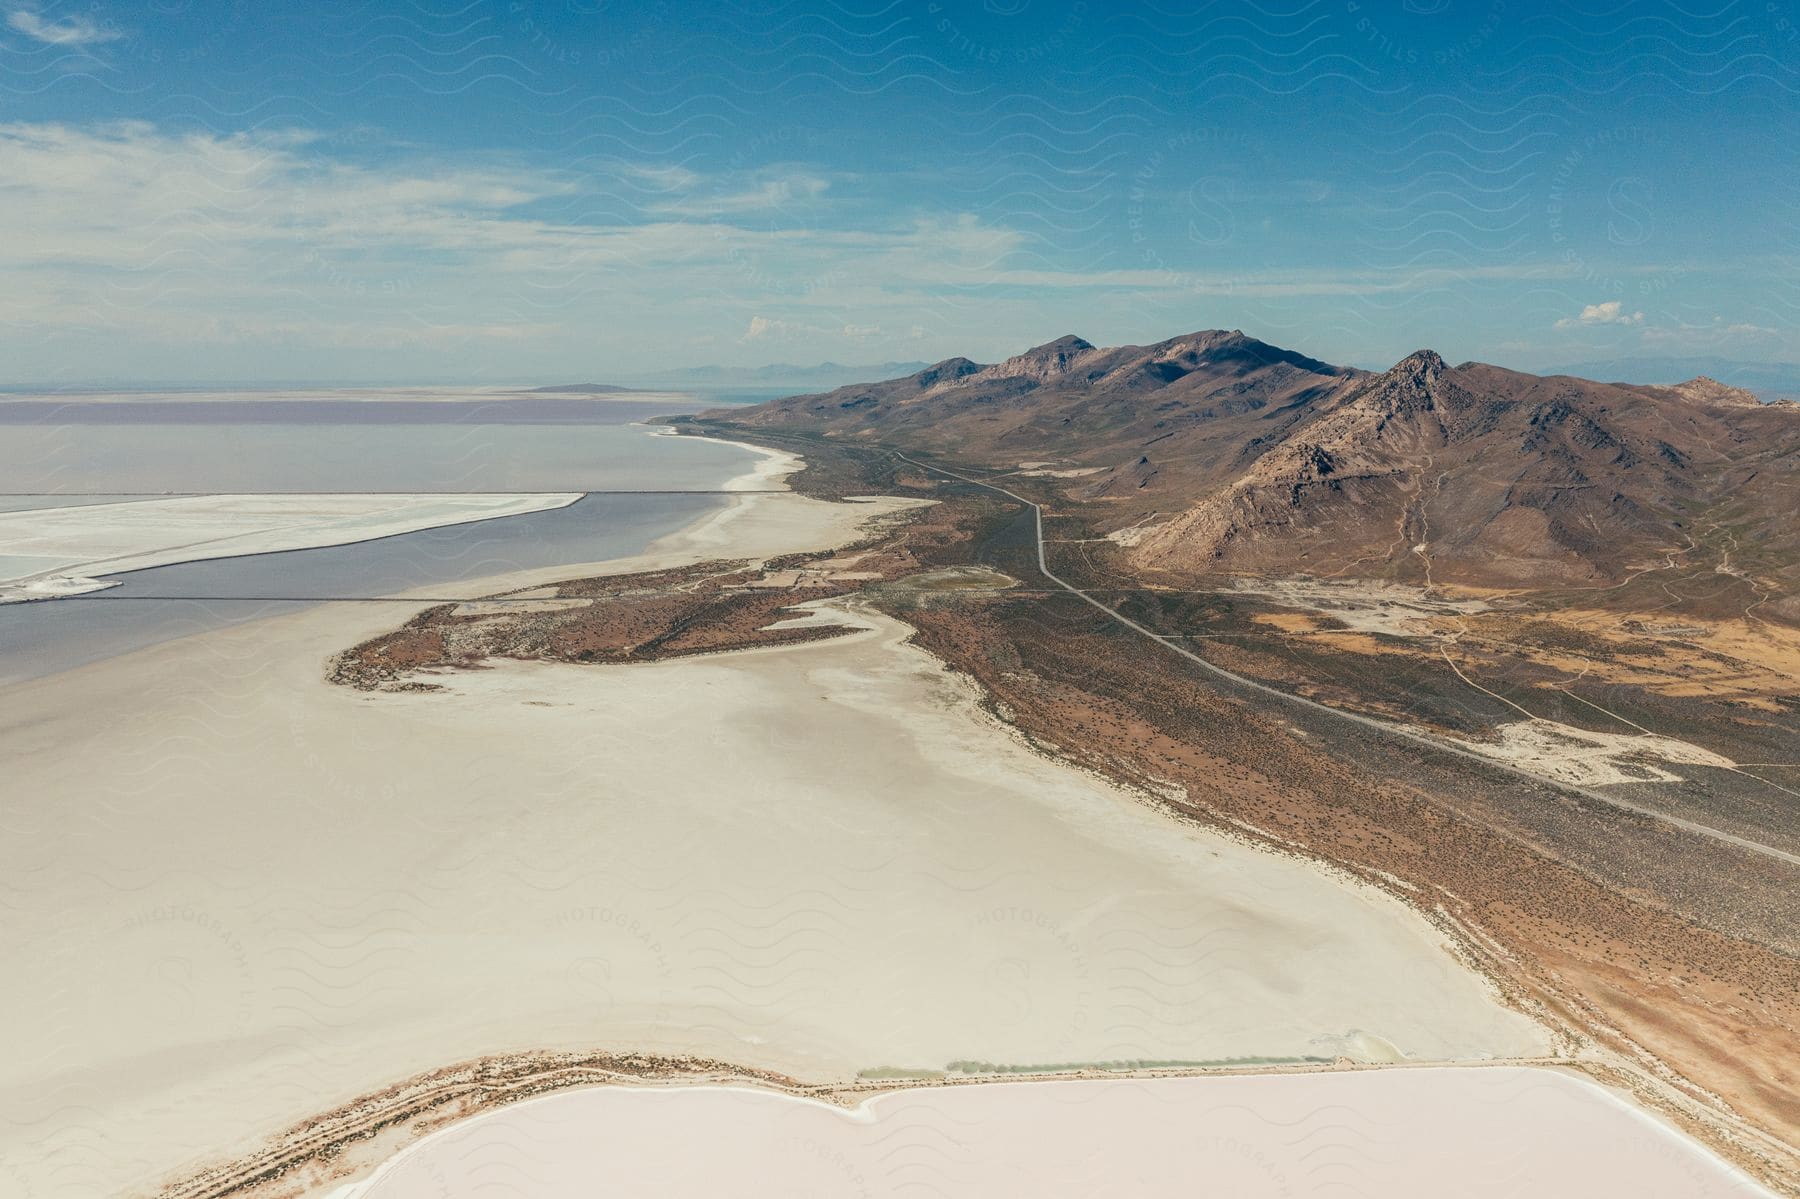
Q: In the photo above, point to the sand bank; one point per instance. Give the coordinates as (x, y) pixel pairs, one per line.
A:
(49, 552)
(239, 895)
(1398, 1133)
(770, 471)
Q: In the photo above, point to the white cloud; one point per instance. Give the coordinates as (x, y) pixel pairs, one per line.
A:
(1610, 312)
(68, 31)
(127, 235)
(761, 192)
(779, 329)
(761, 327)
(128, 244)
(663, 176)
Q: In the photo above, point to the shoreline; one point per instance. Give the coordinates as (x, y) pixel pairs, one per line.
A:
(773, 466)
(73, 576)
(710, 533)
(745, 495)
(768, 473)
(763, 476)
(844, 1109)
(1652, 1084)
(145, 684)
(755, 524)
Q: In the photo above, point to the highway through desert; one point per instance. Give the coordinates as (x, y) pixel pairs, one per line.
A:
(1438, 744)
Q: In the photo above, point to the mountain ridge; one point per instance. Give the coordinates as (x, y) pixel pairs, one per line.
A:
(1766, 380)
(1214, 452)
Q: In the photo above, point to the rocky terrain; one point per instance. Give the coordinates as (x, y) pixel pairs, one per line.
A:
(1664, 963)
(710, 607)
(1217, 453)
(1593, 584)
(1589, 583)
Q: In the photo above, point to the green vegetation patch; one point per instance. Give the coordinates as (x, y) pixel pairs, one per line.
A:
(883, 1073)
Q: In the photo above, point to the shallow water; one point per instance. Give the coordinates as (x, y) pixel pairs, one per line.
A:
(163, 603)
(438, 456)
(166, 602)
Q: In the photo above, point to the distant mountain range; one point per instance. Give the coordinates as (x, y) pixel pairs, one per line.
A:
(1216, 452)
(780, 374)
(586, 389)
(1770, 380)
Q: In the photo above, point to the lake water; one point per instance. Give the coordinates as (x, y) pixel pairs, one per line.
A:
(442, 448)
(437, 448)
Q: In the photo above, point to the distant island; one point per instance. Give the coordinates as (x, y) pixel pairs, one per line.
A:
(780, 374)
(774, 376)
(583, 389)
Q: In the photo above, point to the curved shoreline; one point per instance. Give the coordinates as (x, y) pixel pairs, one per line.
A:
(768, 473)
(79, 576)
(357, 1147)
(751, 525)
(1250, 1099)
(353, 1124)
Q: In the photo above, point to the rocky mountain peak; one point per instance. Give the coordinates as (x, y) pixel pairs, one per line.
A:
(1216, 452)
(1042, 363)
(1423, 365)
(946, 371)
(1703, 389)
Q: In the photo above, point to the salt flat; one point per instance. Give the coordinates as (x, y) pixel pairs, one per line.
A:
(46, 552)
(1399, 1134)
(239, 894)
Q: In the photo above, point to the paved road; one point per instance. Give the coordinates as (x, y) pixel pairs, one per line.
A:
(1437, 744)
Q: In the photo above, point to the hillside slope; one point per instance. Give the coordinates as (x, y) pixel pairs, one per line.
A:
(1217, 453)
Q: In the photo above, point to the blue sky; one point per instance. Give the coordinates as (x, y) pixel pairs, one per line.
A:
(545, 189)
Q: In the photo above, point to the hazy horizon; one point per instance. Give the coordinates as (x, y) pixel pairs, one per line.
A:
(1768, 376)
(563, 191)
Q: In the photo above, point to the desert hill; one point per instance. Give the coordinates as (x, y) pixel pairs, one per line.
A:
(1218, 453)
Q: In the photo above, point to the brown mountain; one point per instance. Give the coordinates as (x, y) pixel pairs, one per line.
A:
(1218, 453)
(1196, 406)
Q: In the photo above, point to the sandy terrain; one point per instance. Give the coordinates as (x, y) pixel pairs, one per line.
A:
(771, 467)
(49, 552)
(1591, 759)
(1752, 662)
(242, 895)
(1397, 1133)
(1366, 607)
(1745, 660)
(1073, 472)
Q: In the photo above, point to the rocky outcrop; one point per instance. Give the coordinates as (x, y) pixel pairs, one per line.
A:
(1222, 453)
(1704, 390)
(1044, 364)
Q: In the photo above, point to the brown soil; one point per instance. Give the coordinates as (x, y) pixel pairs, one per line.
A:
(706, 608)
(1661, 959)
(334, 1147)
(1601, 962)
(1673, 957)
